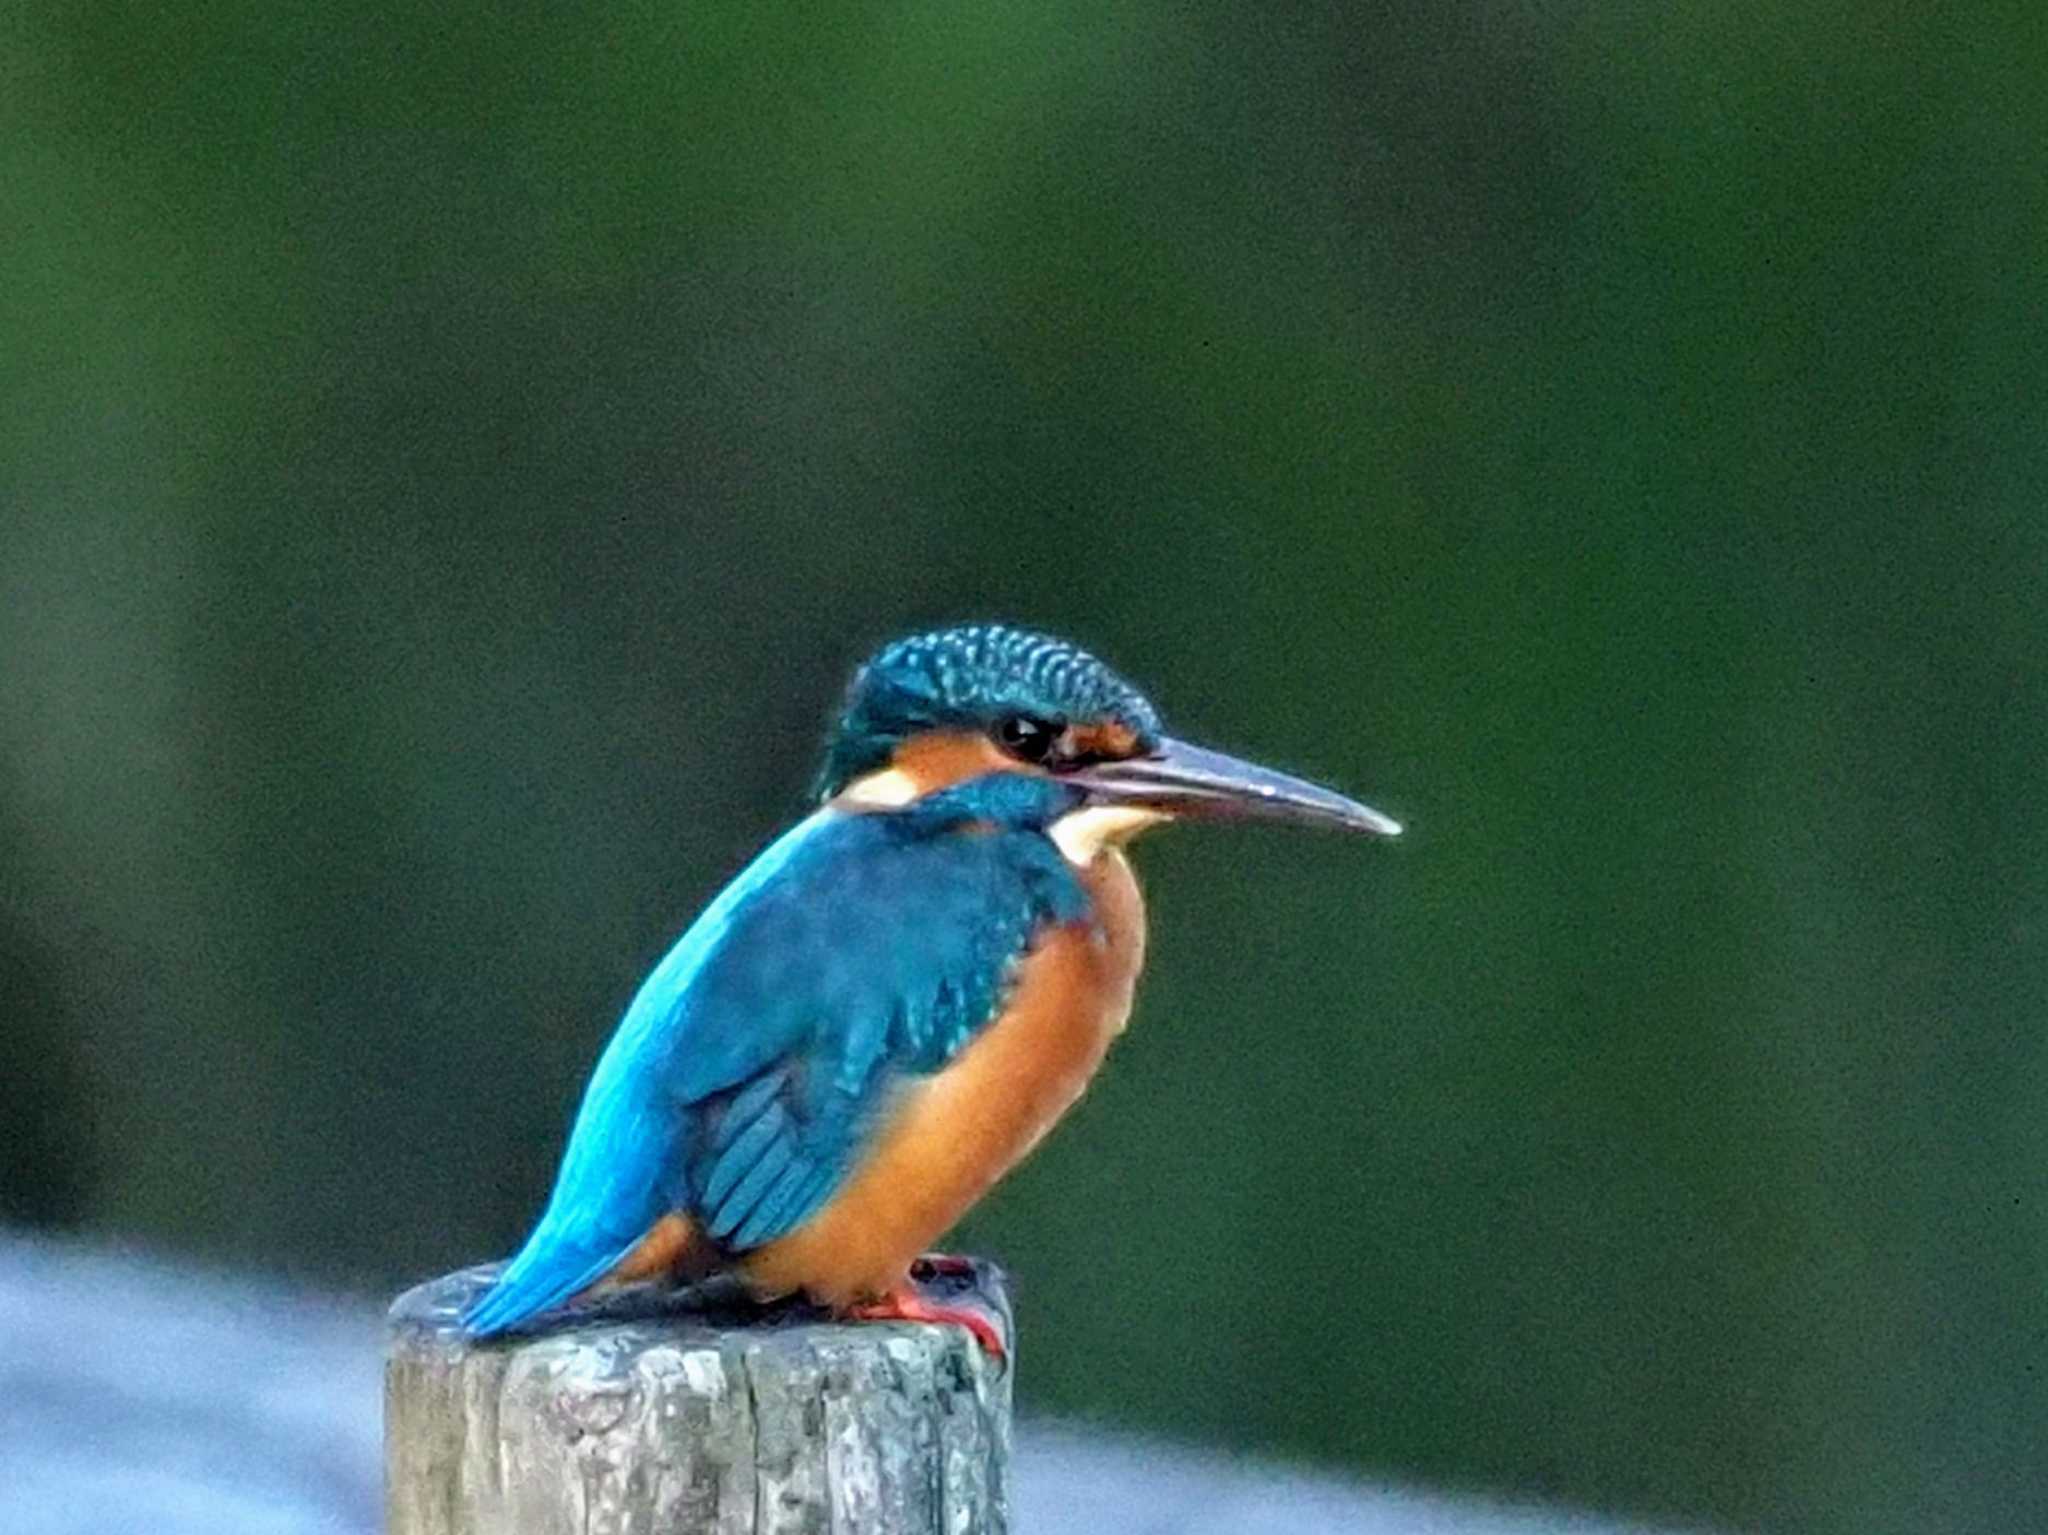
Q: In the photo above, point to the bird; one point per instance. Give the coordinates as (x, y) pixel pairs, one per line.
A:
(891, 1005)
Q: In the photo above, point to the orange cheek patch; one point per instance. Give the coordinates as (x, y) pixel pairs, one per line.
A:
(942, 758)
(1103, 738)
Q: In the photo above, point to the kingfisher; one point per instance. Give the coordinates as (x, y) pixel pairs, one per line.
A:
(888, 1008)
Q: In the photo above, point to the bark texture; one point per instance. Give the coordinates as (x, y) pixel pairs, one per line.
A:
(645, 1417)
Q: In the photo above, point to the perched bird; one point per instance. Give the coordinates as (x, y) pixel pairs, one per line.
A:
(892, 1004)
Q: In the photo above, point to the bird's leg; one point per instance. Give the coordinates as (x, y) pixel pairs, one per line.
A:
(938, 1265)
(902, 1303)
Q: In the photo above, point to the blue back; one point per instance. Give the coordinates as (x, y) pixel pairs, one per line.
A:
(749, 1070)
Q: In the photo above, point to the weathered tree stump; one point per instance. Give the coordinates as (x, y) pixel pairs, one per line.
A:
(688, 1415)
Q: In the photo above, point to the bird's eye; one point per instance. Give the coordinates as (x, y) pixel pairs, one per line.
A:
(1026, 737)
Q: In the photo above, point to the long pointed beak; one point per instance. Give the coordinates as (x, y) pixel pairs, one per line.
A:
(1182, 780)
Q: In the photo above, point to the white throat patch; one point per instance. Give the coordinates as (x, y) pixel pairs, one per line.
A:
(888, 789)
(1081, 835)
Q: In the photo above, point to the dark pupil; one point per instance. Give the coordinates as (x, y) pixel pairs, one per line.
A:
(1025, 737)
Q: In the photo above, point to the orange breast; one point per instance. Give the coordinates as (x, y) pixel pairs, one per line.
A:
(954, 1135)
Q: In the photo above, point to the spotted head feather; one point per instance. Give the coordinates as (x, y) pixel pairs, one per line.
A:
(972, 677)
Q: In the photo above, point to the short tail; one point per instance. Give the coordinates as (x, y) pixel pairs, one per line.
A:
(606, 1196)
(549, 1270)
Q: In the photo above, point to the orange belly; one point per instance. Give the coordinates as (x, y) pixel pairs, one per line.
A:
(955, 1134)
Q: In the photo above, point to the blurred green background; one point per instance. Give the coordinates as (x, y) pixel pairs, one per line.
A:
(453, 454)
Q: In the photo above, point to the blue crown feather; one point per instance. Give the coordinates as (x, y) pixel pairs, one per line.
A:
(970, 676)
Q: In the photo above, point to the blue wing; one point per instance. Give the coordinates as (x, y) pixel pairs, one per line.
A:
(855, 951)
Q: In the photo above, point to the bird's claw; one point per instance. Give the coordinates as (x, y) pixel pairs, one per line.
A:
(904, 1304)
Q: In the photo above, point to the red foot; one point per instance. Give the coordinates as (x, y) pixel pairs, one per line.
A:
(933, 1265)
(903, 1304)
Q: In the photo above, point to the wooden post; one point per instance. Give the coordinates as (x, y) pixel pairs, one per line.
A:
(643, 1418)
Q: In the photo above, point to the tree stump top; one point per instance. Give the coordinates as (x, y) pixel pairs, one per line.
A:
(692, 1414)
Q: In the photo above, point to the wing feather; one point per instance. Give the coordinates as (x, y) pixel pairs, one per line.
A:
(858, 950)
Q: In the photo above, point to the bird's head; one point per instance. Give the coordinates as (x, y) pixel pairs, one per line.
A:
(940, 708)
